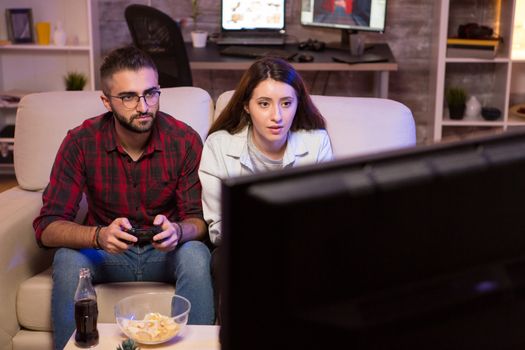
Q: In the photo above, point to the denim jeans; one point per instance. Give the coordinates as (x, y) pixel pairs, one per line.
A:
(188, 266)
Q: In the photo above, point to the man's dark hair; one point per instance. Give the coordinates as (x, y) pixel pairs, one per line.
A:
(124, 58)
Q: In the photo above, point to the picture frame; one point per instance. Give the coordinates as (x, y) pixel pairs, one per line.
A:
(19, 25)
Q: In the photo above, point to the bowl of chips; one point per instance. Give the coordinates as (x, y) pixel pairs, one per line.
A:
(152, 318)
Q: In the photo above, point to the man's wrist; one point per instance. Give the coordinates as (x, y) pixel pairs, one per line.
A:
(181, 232)
(96, 237)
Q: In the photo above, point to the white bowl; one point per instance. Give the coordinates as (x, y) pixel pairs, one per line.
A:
(152, 318)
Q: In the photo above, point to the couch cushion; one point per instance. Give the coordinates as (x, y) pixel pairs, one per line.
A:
(359, 125)
(40, 130)
(33, 304)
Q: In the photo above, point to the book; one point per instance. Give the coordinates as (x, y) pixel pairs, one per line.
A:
(473, 42)
(462, 52)
(10, 99)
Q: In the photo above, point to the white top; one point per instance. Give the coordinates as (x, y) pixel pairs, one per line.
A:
(225, 155)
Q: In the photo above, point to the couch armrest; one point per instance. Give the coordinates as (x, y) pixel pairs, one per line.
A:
(20, 256)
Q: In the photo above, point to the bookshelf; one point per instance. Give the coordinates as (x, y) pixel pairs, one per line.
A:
(26, 68)
(496, 81)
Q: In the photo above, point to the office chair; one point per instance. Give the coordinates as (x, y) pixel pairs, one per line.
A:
(159, 35)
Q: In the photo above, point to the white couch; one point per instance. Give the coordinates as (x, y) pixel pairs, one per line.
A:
(356, 126)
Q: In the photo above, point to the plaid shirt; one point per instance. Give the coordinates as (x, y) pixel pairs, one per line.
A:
(163, 181)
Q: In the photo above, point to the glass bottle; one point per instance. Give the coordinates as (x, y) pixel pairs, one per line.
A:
(86, 311)
(59, 36)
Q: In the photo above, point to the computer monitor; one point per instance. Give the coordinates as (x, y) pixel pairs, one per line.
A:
(422, 248)
(350, 16)
(253, 15)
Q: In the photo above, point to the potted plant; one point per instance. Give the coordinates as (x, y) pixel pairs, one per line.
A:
(75, 81)
(198, 37)
(456, 99)
(128, 344)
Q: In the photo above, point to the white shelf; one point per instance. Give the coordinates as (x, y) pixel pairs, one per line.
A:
(492, 81)
(35, 47)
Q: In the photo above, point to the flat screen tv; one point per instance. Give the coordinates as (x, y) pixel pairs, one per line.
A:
(350, 16)
(422, 248)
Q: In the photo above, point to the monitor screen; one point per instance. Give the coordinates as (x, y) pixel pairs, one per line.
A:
(368, 15)
(422, 248)
(252, 15)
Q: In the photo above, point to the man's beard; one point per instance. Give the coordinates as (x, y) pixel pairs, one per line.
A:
(128, 125)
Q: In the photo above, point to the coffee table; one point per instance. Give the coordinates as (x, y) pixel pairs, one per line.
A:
(192, 337)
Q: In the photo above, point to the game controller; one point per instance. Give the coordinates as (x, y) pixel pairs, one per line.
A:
(312, 45)
(144, 235)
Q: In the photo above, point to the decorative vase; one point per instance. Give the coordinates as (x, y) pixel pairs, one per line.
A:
(473, 108)
(457, 111)
(198, 38)
(59, 36)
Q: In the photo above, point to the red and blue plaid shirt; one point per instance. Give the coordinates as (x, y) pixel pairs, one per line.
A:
(163, 181)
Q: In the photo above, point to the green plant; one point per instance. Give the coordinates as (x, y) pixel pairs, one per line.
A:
(128, 344)
(455, 96)
(195, 12)
(75, 81)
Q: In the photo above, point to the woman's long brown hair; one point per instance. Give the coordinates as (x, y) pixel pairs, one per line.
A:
(234, 118)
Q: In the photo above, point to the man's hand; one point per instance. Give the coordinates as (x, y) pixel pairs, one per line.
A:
(113, 239)
(170, 235)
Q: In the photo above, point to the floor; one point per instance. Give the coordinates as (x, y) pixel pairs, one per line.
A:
(7, 181)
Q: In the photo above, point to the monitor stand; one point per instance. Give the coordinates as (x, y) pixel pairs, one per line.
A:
(354, 45)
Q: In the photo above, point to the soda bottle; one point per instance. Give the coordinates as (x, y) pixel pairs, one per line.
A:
(86, 311)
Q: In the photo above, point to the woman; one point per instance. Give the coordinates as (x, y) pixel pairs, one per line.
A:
(269, 123)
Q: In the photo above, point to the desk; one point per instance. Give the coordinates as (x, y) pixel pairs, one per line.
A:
(209, 58)
(192, 337)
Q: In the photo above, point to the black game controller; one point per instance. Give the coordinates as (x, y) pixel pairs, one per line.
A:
(312, 45)
(144, 235)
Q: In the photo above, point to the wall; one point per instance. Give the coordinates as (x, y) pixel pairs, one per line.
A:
(408, 31)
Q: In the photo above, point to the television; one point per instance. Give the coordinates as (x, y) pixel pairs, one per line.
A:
(351, 16)
(420, 248)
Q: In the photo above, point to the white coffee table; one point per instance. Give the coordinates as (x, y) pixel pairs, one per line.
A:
(192, 337)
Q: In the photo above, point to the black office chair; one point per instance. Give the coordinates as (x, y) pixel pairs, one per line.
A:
(159, 35)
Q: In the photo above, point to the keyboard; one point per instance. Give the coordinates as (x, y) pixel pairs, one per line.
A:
(256, 52)
(250, 40)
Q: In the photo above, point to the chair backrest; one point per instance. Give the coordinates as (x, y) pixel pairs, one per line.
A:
(159, 35)
(358, 125)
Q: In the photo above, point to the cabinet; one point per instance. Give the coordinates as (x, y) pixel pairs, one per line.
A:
(28, 68)
(496, 82)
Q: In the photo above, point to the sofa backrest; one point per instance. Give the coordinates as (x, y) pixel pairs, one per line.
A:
(359, 125)
(43, 119)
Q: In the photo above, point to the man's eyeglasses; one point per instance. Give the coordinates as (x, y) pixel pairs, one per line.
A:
(131, 101)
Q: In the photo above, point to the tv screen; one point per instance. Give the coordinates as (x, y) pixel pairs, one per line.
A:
(422, 248)
(252, 15)
(359, 15)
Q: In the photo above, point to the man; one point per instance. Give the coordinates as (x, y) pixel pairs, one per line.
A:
(138, 168)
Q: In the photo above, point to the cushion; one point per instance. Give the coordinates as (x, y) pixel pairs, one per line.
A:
(359, 125)
(33, 304)
(39, 130)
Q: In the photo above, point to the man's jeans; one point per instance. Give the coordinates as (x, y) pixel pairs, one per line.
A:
(188, 266)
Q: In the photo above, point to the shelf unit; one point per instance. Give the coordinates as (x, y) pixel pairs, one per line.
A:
(35, 68)
(492, 81)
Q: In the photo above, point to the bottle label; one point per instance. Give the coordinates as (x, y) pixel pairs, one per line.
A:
(86, 314)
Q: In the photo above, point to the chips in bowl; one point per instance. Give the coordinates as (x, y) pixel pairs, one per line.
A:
(145, 317)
